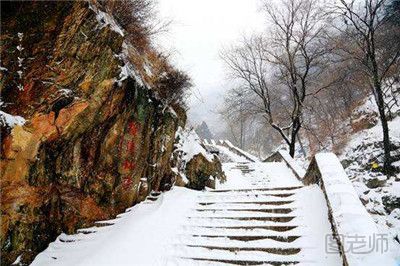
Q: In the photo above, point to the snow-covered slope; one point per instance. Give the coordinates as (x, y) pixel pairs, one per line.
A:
(362, 158)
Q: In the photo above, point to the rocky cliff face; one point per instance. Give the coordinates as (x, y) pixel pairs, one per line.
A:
(96, 138)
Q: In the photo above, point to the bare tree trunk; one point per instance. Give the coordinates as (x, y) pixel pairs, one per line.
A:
(241, 124)
(385, 128)
(379, 99)
(292, 147)
(293, 137)
(301, 146)
(241, 133)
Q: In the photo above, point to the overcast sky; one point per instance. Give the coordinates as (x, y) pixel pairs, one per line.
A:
(201, 28)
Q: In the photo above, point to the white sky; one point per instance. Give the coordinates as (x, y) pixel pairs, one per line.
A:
(200, 30)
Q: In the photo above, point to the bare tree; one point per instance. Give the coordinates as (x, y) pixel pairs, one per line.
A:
(281, 69)
(364, 23)
(244, 123)
(237, 114)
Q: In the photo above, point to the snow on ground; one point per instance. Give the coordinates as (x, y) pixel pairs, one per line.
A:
(313, 205)
(140, 236)
(10, 120)
(292, 163)
(262, 174)
(234, 179)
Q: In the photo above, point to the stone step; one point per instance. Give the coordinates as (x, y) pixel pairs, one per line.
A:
(279, 251)
(277, 210)
(244, 169)
(246, 202)
(86, 231)
(276, 228)
(247, 262)
(152, 198)
(278, 219)
(257, 189)
(243, 199)
(103, 224)
(244, 262)
(246, 238)
(155, 193)
(219, 214)
(241, 167)
(71, 238)
(247, 194)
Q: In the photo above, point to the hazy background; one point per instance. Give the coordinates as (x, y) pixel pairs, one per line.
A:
(199, 31)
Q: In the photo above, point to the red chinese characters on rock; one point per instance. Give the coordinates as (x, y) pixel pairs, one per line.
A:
(132, 128)
(128, 165)
(127, 149)
(130, 146)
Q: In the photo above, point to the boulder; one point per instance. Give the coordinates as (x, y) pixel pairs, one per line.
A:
(375, 181)
(391, 202)
(201, 172)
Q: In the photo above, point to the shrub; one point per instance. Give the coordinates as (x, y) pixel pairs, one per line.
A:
(138, 18)
(173, 85)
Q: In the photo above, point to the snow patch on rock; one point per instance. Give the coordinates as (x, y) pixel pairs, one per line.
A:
(189, 145)
(11, 120)
(105, 19)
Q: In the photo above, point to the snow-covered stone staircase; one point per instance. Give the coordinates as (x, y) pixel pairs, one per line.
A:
(261, 225)
(245, 167)
(262, 217)
(245, 227)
